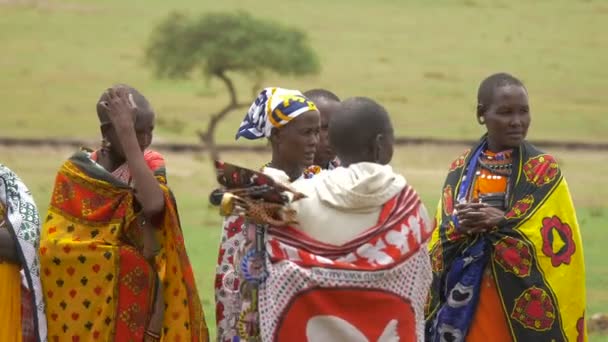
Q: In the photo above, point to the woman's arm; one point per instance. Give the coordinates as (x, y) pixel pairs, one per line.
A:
(154, 329)
(121, 110)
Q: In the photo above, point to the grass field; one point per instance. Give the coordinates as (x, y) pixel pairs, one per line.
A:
(422, 59)
(424, 167)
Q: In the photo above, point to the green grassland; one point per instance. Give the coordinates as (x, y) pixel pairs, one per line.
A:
(424, 167)
(421, 59)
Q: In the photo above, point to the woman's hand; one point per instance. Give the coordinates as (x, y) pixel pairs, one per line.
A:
(121, 111)
(158, 313)
(120, 108)
(477, 217)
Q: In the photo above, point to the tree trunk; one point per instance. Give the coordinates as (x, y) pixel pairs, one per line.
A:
(208, 136)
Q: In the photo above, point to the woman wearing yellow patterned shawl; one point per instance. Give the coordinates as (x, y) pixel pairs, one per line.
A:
(507, 255)
(114, 264)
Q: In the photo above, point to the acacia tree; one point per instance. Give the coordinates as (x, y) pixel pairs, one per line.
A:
(218, 45)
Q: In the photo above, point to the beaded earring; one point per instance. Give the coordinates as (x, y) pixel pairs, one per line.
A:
(106, 146)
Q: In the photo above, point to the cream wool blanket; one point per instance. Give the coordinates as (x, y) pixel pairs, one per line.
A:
(344, 202)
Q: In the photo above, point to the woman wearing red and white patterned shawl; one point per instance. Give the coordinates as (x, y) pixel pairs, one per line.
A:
(355, 268)
(291, 123)
(22, 309)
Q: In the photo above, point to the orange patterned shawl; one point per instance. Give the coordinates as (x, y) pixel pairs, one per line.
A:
(97, 284)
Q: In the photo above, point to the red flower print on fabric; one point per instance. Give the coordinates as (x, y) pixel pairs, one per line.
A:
(557, 241)
(541, 170)
(513, 256)
(534, 309)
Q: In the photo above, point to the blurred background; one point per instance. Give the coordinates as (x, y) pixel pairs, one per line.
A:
(196, 60)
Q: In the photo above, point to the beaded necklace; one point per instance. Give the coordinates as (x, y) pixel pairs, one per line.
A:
(307, 173)
(500, 163)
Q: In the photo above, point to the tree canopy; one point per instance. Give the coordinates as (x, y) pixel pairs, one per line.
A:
(221, 43)
(216, 43)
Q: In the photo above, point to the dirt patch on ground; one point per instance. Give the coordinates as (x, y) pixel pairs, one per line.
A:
(598, 324)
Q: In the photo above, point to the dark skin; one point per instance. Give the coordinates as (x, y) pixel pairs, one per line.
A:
(130, 133)
(380, 151)
(294, 145)
(8, 247)
(507, 120)
(324, 153)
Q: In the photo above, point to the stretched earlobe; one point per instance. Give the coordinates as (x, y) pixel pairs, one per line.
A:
(480, 111)
(378, 148)
(106, 146)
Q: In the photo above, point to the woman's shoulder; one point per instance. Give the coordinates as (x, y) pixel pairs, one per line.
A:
(4, 170)
(460, 160)
(534, 155)
(276, 174)
(154, 159)
(9, 175)
(535, 162)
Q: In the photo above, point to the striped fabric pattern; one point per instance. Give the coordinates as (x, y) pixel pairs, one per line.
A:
(274, 107)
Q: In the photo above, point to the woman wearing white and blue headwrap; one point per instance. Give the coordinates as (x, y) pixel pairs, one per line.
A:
(291, 122)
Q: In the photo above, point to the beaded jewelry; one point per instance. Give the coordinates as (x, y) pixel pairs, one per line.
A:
(500, 163)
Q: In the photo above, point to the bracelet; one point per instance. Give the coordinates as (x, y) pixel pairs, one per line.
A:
(154, 336)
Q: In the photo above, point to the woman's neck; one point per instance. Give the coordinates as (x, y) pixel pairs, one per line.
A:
(109, 161)
(495, 148)
(294, 172)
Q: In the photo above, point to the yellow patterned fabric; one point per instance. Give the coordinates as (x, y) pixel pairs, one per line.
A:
(98, 286)
(559, 254)
(535, 253)
(10, 297)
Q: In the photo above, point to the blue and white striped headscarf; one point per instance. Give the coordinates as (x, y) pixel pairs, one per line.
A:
(274, 107)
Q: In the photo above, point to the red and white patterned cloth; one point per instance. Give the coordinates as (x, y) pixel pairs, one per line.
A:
(372, 288)
(28, 328)
(229, 304)
(227, 280)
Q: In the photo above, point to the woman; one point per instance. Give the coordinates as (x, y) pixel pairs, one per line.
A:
(112, 251)
(291, 123)
(22, 309)
(360, 242)
(328, 104)
(507, 255)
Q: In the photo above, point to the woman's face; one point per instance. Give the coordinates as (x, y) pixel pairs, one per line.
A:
(144, 126)
(297, 141)
(508, 118)
(324, 153)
